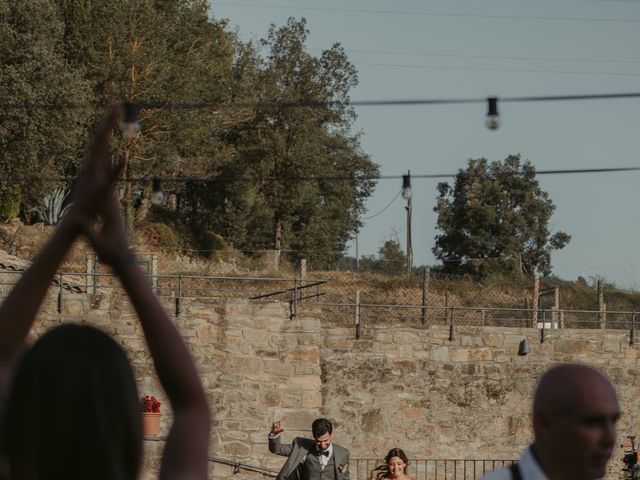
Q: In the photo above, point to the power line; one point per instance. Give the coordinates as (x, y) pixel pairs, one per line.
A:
(312, 178)
(507, 70)
(431, 14)
(490, 57)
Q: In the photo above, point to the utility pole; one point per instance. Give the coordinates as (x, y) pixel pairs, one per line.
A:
(406, 194)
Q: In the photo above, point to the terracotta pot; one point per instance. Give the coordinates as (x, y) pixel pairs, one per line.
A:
(150, 423)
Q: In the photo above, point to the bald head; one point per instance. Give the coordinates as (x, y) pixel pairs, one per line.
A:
(575, 411)
(563, 387)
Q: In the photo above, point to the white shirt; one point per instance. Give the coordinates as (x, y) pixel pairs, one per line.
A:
(529, 469)
(323, 459)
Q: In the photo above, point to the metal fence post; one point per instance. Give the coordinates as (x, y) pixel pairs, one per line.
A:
(452, 324)
(179, 296)
(632, 333)
(446, 306)
(425, 293)
(357, 314)
(294, 303)
(60, 293)
(544, 321)
(87, 271)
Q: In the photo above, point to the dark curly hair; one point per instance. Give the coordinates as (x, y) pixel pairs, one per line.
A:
(382, 471)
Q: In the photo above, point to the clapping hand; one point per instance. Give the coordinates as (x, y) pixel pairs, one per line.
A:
(99, 174)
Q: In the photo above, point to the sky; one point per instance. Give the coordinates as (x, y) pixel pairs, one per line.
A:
(408, 49)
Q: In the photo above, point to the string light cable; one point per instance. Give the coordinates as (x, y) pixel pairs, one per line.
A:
(387, 206)
(311, 103)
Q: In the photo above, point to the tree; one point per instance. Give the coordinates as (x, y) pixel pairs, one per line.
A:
(34, 71)
(302, 129)
(495, 219)
(391, 260)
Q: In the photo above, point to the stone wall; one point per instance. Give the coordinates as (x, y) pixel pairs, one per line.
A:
(468, 397)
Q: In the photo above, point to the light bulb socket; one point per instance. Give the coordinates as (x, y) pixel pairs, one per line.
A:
(130, 112)
(406, 186)
(493, 118)
(157, 195)
(130, 124)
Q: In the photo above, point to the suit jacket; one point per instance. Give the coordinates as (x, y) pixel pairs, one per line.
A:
(298, 451)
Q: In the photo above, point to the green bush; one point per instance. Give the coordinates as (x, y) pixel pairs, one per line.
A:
(9, 204)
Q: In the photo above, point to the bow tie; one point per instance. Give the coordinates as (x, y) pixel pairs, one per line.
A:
(322, 452)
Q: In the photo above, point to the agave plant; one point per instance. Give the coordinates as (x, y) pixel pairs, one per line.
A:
(54, 206)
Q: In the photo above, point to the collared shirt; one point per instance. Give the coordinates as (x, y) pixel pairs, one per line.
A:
(529, 469)
(324, 459)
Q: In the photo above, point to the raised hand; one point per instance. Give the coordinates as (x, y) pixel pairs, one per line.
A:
(109, 239)
(277, 427)
(99, 173)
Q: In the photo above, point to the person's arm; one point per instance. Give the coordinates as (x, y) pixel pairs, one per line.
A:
(275, 443)
(187, 447)
(19, 309)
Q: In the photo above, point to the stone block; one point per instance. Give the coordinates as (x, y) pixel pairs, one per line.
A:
(243, 366)
(460, 355)
(236, 449)
(72, 307)
(405, 338)
(208, 333)
(310, 339)
(312, 400)
(612, 346)
(255, 337)
(307, 369)
(471, 341)
(338, 343)
(283, 341)
(480, 354)
(306, 355)
(306, 382)
(573, 346)
(278, 367)
(440, 354)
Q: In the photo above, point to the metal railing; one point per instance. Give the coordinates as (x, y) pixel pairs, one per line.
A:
(419, 469)
(238, 466)
(179, 287)
(363, 314)
(433, 469)
(361, 468)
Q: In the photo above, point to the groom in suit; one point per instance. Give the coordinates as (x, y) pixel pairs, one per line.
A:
(317, 459)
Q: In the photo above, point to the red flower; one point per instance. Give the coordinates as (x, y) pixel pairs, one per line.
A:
(149, 404)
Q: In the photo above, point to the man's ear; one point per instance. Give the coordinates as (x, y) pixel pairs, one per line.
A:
(541, 423)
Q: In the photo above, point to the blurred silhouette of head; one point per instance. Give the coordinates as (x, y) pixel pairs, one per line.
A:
(72, 409)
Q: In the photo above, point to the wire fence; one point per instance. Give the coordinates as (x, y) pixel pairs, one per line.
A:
(361, 299)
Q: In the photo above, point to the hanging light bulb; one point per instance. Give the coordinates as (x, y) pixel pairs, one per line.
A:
(493, 119)
(130, 125)
(157, 195)
(406, 186)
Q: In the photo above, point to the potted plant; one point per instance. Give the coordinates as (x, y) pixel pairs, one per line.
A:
(150, 410)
